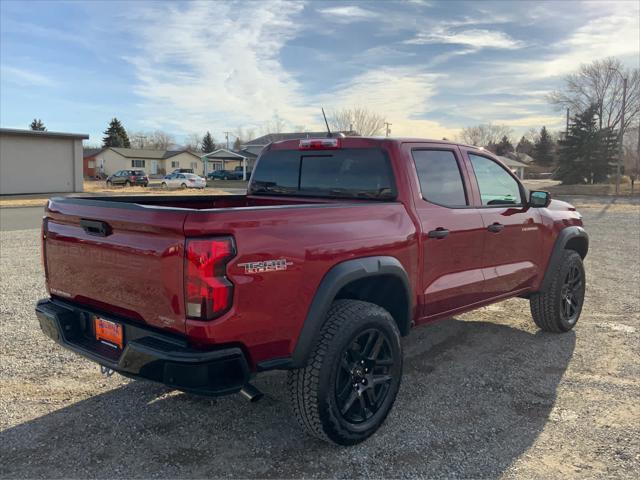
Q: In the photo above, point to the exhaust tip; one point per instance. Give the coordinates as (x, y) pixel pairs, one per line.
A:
(251, 393)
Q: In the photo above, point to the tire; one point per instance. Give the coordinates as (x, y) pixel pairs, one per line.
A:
(558, 308)
(183, 186)
(109, 183)
(127, 183)
(164, 185)
(325, 394)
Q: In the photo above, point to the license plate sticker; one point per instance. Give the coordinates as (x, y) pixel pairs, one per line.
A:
(108, 332)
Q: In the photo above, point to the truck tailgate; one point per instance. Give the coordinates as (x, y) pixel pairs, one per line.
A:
(123, 259)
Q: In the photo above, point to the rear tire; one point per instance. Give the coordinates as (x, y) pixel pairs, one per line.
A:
(164, 185)
(351, 381)
(183, 186)
(109, 183)
(558, 308)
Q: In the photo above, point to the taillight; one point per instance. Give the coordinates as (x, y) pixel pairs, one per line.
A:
(319, 144)
(208, 292)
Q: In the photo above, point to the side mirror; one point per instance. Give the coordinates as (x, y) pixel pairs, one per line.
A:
(539, 199)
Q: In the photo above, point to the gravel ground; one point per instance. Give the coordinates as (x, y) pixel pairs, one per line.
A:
(484, 395)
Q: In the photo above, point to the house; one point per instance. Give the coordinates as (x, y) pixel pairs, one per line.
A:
(516, 167)
(109, 160)
(224, 159)
(40, 162)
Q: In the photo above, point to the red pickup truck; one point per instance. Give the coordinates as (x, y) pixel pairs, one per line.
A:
(340, 246)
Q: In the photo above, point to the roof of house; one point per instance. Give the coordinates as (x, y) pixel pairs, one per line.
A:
(509, 162)
(45, 133)
(173, 153)
(277, 137)
(90, 152)
(224, 153)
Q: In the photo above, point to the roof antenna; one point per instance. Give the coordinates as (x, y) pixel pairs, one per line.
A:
(329, 134)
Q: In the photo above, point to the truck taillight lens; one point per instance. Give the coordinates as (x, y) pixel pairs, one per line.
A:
(208, 292)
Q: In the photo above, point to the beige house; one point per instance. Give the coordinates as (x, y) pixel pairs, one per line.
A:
(154, 162)
(40, 162)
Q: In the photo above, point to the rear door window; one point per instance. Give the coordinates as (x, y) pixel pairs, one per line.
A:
(344, 173)
(440, 177)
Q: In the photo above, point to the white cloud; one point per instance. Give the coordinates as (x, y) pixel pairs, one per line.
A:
(474, 38)
(215, 65)
(348, 13)
(22, 76)
(401, 94)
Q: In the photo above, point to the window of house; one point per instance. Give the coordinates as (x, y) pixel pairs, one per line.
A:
(91, 164)
(194, 166)
(175, 164)
(137, 163)
(440, 177)
(217, 165)
(496, 186)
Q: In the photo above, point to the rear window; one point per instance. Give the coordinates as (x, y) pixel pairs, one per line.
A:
(344, 173)
(138, 172)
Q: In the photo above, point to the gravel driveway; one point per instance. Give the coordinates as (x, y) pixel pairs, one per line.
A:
(484, 394)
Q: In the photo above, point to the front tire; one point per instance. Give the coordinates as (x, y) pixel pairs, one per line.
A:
(347, 389)
(183, 186)
(558, 308)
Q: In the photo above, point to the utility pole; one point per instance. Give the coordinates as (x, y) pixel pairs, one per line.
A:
(226, 135)
(566, 132)
(387, 125)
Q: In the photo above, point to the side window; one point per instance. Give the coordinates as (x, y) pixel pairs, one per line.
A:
(440, 177)
(496, 186)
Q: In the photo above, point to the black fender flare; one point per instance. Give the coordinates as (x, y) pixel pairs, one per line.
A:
(337, 277)
(566, 235)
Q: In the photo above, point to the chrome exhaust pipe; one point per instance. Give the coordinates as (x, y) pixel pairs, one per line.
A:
(251, 393)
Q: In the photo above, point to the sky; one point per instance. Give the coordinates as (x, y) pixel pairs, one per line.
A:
(431, 68)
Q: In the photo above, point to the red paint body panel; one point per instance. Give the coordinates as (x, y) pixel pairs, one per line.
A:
(137, 270)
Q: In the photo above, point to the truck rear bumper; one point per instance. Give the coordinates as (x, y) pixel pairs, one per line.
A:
(146, 354)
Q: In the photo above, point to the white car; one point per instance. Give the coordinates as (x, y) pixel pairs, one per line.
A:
(183, 180)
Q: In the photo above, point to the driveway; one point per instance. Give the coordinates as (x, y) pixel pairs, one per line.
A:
(484, 395)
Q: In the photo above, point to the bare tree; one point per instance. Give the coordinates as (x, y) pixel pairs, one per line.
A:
(193, 141)
(156, 140)
(161, 140)
(598, 84)
(275, 125)
(484, 135)
(357, 119)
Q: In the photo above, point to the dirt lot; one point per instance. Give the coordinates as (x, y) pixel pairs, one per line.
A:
(484, 395)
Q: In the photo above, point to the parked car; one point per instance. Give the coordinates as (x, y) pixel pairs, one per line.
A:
(183, 180)
(339, 248)
(183, 170)
(128, 178)
(225, 175)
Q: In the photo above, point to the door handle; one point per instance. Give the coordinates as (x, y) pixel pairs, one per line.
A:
(495, 227)
(438, 233)
(95, 227)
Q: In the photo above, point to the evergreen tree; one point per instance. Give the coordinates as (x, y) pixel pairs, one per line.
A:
(504, 146)
(525, 146)
(237, 145)
(543, 148)
(208, 144)
(586, 152)
(116, 135)
(38, 125)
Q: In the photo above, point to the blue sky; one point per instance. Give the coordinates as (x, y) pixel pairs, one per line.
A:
(430, 67)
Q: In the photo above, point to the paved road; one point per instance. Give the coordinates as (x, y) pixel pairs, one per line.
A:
(20, 218)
